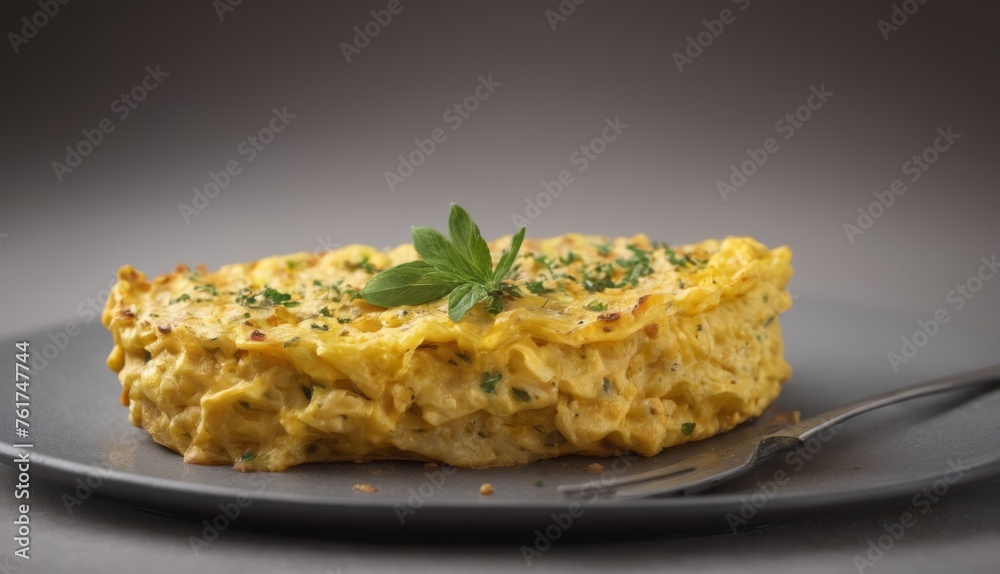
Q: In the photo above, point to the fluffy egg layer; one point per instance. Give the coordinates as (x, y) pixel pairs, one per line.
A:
(613, 345)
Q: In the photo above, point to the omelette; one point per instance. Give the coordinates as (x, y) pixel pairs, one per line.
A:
(603, 345)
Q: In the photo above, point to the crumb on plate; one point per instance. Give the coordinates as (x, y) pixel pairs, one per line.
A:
(365, 488)
(486, 489)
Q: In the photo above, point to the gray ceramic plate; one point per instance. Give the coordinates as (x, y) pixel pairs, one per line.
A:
(82, 440)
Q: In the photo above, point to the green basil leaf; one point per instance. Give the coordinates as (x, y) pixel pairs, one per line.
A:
(463, 298)
(461, 266)
(412, 283)
(441, 254)
(469, 241)
(503, 267)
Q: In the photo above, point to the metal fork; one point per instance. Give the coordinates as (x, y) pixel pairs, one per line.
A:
(716, 466)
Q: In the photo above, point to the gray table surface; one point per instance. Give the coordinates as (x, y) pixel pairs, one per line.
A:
(321, 184)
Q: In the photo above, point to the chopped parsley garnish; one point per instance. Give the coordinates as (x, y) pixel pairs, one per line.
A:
(489, 382)
(269, 297)
(636, 267)
(680, 260)
(464, 356)
(207, 288)
(181, 297)
(538, 288)
(569, 259)
(277, 297)
(308, 392)
(673, 258)
(599, 278)
(343, 320)
(291, 341)
(521, 394)
(320, 327)
(539, 482)
(769, 321)
(293, 264)
(366, 266)
(334, 293)
(542, 260)
(246, 298)
(325, 311)
(247, 456)
(687, 428)
(607, 386)
(600, 275)
(154, 314)
(597, 306)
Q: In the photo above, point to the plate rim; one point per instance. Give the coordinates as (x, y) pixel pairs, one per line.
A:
(65, 471)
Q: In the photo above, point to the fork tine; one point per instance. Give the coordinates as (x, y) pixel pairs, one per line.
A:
(691, 474)
(680, 468)
(686, 483)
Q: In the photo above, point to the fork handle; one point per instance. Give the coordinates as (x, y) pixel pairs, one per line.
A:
(811, 426)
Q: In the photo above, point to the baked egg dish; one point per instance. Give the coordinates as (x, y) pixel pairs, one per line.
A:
(603, 345)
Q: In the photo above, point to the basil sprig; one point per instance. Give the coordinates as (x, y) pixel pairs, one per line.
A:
(461, 268)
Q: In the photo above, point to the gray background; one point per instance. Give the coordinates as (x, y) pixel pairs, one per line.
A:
(320, 183)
